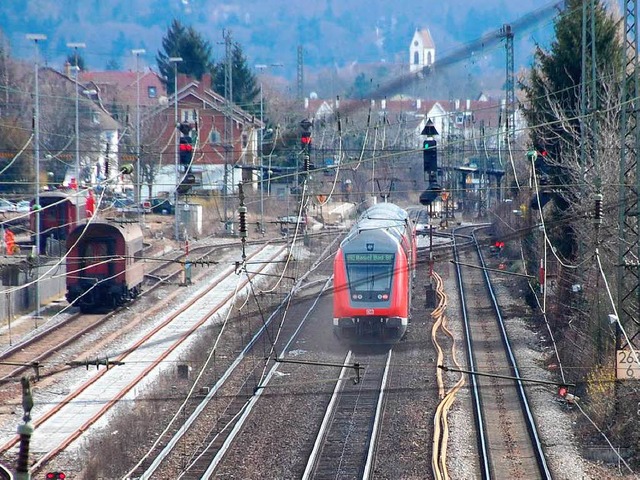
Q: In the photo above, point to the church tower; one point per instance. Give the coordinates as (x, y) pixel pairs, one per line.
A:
(422, 51)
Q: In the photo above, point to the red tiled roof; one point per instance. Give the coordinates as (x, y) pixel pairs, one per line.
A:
(122, 86)
(427, 41)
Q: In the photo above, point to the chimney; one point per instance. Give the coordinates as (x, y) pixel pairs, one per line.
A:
(457, 104)
(373, 103)
(205, 83)
(383, 103)
(468, 104)
(183, 79)
(418, 104)
(306, 103)
(67, 69)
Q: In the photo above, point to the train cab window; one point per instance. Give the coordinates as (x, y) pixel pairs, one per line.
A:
(370, 275)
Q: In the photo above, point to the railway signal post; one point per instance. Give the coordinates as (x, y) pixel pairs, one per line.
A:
(430, 167)
(305, 143)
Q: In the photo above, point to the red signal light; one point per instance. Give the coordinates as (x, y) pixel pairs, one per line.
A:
(185, 147)
(56, 475)
(305, 140)
(563, 390)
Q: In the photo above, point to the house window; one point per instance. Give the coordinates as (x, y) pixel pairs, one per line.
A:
(416, 58)
(429, 61)
(152, 92)
(188, 115)
(214, 137)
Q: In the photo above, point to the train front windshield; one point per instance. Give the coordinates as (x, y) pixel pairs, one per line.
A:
(370, 275)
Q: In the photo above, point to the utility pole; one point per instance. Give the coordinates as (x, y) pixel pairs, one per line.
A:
(628, 201)
(25, 431)
(76, 46)
(175, 61)
(138, 192)
(228, 125)
(36, 37)
(451, 177)
(510, 94)
(260, 140)
(300, 76)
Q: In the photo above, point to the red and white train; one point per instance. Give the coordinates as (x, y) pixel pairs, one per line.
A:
(373, 275)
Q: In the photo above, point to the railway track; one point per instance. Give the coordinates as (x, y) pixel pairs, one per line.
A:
(507, 437)
(56, 434)
(31, 355)
(346, 443)
(211, 428)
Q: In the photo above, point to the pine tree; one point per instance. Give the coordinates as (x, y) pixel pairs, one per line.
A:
(245, 86)
(552, 90)
(72, 58)
(187, 43)
(553, 111)
(361, 87)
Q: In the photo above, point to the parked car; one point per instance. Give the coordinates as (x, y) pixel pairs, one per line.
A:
(23, 206)
(162, 206)
(123, 204)
(126, 205)
(292, 219)
(421, 221)
(7, 206)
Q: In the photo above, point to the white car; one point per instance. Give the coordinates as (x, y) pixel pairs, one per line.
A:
(7, 206)
(421, 220)
(293, 220)
(23, 206)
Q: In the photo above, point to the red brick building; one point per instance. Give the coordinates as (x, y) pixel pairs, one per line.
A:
(198, 104)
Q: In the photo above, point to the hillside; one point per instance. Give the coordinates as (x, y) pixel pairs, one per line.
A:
(336, 36)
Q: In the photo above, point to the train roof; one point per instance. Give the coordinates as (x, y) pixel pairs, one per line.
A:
(70, 195)
(130, 231)
(383, 216)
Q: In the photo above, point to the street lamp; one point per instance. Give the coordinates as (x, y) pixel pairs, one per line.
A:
(137, 193)
(262, 229)
(262, 67)
(175, 61)
(76, 46)
(36, 37)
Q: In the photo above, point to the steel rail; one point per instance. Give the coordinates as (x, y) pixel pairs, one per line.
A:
(475, 389)
(238, 420)
(531, 424)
